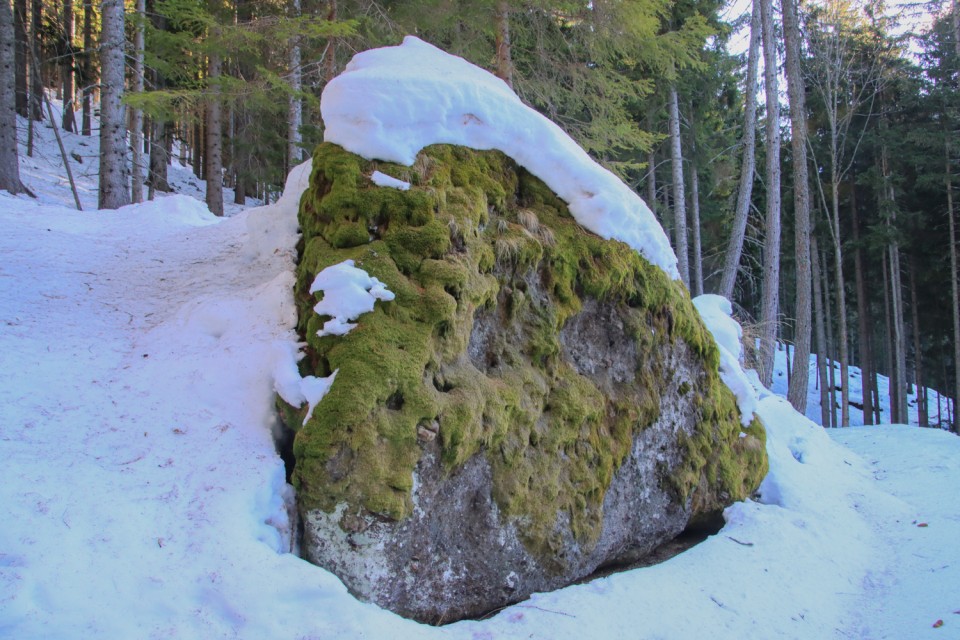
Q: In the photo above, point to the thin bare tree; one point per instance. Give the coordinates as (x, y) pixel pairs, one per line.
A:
(770, 288)
(797, 393)
(731, 261)
(679, 197)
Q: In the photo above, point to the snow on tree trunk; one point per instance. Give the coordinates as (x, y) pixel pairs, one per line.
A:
(731, 262)
(9, 164)
(679, 198)
(214, 160)
(770, 288)
(797, 393)
(114, 189)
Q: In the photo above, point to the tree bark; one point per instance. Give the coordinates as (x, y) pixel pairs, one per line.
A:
(731, 263)
(86, 114)
(502, 42)
(214, 151)
(136, 122)
(679, 197)
(797, 393)
(69, 121)
(20, 56)
(114, 178)
(9, 161)
(821, 335)
(770, 288)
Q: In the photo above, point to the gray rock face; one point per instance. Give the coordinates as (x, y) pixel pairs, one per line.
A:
(456, 556)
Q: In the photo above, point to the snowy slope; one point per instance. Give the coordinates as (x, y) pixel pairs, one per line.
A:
(939, 408)
(141, 495)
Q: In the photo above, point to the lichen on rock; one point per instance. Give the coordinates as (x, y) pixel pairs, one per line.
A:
(535, 401)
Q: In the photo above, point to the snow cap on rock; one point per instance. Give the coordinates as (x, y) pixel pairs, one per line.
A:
(392, 102)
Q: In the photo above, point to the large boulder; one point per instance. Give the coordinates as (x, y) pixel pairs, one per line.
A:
(535, 403)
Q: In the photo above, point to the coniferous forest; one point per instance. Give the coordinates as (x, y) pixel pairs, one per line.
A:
(801, 155)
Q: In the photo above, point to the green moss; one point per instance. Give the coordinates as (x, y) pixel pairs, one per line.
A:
(477, 237)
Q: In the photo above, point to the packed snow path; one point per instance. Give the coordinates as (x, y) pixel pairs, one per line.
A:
(918, 584)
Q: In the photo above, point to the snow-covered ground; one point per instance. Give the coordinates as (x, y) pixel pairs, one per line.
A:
(141, 495)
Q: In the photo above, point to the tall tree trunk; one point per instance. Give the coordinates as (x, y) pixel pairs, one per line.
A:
(136, 122)
(330, 59)
(159, 158)
(114, 178)
(731, 262)
(86, 114)
(821, 335)
(214, 139)
(502, 42)
(899, 344)
(867, 378)
(9, 162)
(20, 55)
(679, 198)
(295, 105)
(695, 226)
(892, 397)
(828, 321)
(900, 336)
(917, 348)
(69, 122)
(697, 270)
(797, 393)
(652, 182)
(842, 337)
(36, 73)
(955, 295)
(196, 149)
(770, 288)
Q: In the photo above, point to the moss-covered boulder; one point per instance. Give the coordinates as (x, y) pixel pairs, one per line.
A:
(535, 402)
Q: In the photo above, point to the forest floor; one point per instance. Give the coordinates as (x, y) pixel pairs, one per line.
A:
(141, 495)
